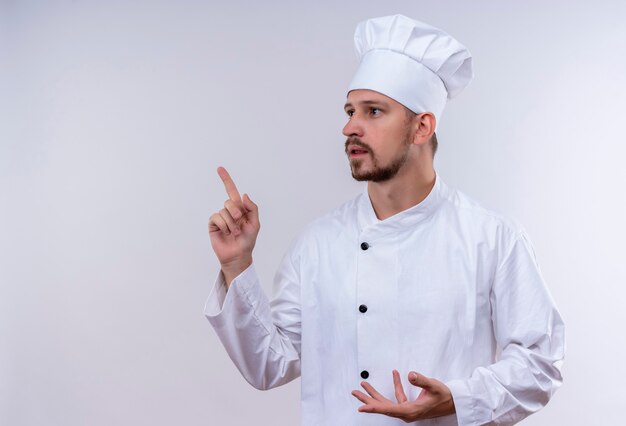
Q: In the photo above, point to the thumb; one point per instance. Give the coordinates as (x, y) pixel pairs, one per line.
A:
(420, 380)
(251, 208)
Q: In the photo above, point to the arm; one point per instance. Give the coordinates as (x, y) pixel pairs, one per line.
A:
(529, 330)
(264, 345)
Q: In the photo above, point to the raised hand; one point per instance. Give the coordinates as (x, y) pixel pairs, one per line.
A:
(233, 230)
(434, 400)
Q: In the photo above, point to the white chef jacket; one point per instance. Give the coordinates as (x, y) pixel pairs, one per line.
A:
(446, 288)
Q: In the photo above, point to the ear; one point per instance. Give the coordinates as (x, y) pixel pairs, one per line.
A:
(424, 125)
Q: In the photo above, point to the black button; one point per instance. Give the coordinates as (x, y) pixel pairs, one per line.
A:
(363, 309)
(364, 246)
(364, 374)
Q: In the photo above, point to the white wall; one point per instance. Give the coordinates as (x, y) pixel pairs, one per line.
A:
(115, 114)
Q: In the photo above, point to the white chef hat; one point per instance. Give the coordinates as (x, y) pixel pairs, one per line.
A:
(416, 64)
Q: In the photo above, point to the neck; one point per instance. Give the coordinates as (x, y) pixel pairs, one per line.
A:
(408, 188)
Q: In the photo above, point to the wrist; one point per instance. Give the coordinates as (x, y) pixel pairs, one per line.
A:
(233, 268)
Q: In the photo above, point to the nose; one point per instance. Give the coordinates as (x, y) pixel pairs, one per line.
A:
(354, 127)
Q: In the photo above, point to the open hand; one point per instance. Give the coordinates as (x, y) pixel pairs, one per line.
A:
(434, 400)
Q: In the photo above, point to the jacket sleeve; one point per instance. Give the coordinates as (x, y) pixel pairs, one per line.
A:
(530, 335)
(261, 338)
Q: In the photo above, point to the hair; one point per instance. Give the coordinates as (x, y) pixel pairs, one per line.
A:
(433, 139)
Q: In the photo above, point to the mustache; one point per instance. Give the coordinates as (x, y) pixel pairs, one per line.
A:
(353, 140)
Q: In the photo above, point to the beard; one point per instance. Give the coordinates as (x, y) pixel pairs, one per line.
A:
(378, 173)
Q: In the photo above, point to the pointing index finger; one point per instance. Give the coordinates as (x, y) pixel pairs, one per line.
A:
(229, 184)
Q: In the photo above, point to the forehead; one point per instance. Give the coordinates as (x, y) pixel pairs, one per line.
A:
(365, 97)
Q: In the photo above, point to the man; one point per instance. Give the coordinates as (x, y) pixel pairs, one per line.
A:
(409, 277)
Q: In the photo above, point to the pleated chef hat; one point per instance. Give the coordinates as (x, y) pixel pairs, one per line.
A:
(416, 64)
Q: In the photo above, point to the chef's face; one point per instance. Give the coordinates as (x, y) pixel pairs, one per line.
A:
(379, 135)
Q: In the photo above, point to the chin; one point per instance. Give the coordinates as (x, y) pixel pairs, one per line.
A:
(360, 175)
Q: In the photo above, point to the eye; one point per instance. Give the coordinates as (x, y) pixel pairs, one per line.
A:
(375, 111)
(350, 112)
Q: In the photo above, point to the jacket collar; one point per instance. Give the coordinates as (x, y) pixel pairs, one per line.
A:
(369, 224)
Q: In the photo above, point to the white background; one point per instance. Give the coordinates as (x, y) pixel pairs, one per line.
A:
(114, 116)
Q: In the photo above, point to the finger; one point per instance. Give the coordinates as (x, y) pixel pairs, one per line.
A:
(365, 399)
(217, 223)
(397, 384)
(229, 184)
(249, 205)
(367, 408)
(234, 209)
(374, 406)
(230, 222)
(420, 380)
(251, 208)
(370, 389)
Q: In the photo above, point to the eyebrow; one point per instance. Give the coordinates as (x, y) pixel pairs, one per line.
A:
(381, 103)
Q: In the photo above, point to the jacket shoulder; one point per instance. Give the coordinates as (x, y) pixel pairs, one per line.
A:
(473, 213)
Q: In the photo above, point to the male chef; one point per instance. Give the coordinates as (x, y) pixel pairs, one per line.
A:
(410, 302)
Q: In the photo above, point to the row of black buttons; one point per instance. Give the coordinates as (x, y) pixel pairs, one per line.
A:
(363, 308)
